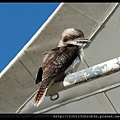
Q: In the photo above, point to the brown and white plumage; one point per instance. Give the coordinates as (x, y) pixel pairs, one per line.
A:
(59, 60)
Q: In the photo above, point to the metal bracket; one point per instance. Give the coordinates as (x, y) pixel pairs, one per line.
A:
(54, 97)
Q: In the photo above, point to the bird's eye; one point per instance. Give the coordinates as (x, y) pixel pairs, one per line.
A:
(65, 39)
(73, 37)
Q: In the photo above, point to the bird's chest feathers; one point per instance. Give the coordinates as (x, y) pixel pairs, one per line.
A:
(70, 56)
(76, 62)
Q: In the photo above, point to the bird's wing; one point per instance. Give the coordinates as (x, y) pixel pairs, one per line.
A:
(58, 60)
(45, 62)
(39, 76)
(40, 70)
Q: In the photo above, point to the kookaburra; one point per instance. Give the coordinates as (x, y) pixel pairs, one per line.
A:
(58, 62)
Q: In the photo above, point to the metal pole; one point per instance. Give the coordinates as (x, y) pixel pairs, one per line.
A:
(86, 75)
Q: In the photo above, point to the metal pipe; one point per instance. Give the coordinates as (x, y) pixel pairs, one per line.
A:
(86, 75)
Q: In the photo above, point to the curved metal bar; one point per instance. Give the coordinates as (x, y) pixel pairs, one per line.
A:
(52, 97)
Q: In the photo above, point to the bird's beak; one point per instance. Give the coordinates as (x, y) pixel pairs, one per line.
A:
(82, 40)
(79, 41)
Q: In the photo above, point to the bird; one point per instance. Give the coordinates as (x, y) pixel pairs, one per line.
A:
(60, 61)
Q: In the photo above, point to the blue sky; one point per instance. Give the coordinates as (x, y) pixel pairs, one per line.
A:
(18, 23)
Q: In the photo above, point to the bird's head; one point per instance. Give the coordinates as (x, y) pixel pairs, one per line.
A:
(74, 37)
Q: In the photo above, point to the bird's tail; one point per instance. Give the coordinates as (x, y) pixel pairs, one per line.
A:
(40, 94)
